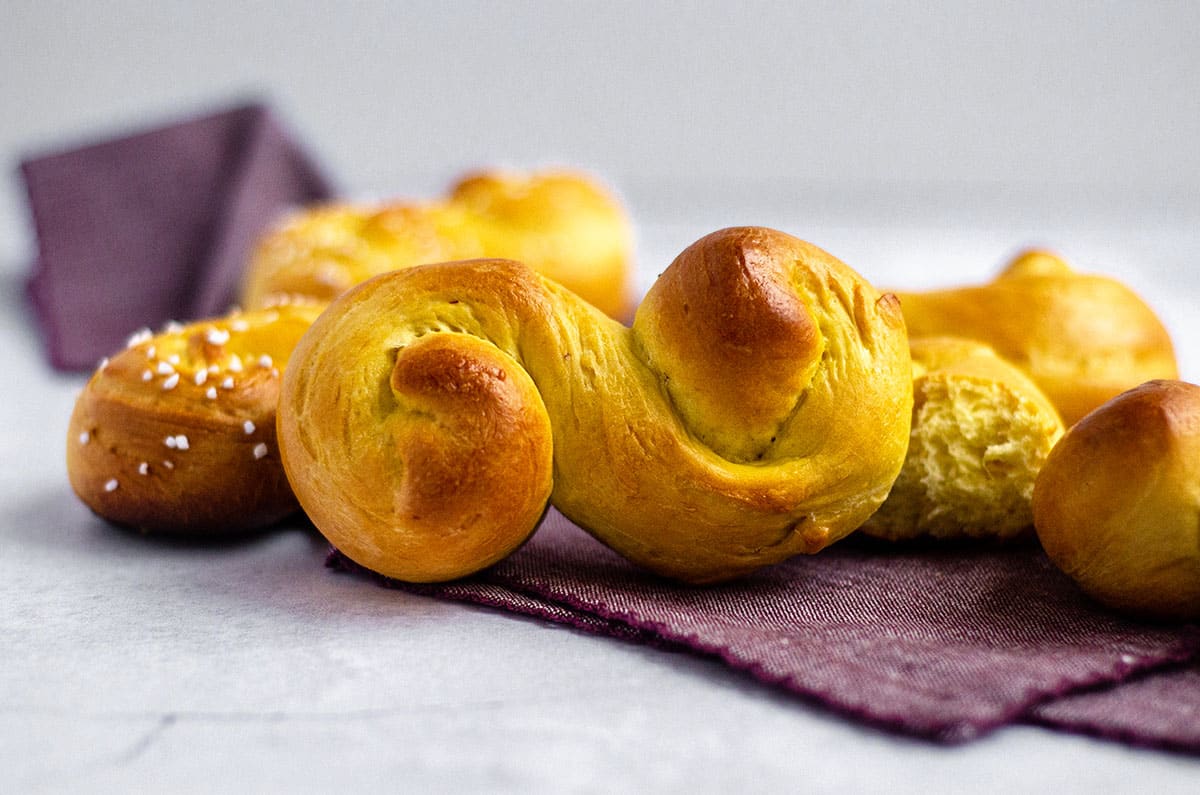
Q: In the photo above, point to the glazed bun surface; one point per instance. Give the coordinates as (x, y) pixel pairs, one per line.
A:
(176, 434)
(981, 431)
(562, 224)
(1083, 339)
(758, 408)
(1117, 505)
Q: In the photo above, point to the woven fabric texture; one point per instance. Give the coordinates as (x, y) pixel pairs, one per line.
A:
(941, 643)
(155, 226)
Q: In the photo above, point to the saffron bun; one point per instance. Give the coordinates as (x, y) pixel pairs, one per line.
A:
(176, 434)
(758, 408)
(981, 430)
(1082, 338)
(1115, 505)
(562, 224)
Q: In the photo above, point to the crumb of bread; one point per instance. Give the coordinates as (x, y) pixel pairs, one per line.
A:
(978, 439)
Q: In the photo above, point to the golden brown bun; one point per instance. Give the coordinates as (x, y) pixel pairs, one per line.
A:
(561, 224)
(1116, 504)
(1082, 338)
(176, 434)
(981, 431)
(757, 409)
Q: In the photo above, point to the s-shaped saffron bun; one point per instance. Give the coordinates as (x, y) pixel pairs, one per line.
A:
(176, 434)
(981, 431)
(1082, 338)
(561, 224)
(758, 408)
(1117, 502)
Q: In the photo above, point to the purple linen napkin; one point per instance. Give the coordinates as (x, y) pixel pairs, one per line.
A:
(155, 226)
(1160, 709)
(945, 643)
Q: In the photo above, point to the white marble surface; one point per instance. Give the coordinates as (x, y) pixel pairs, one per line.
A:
(132, 664)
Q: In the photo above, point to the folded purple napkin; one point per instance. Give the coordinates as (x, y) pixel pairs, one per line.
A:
(942, 643)
(155, 226)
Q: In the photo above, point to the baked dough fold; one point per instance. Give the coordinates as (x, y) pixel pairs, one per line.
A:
(758, 408)
(560, 223)
(1082, 338)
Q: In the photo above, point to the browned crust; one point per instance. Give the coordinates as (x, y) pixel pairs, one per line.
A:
(628, 463)
(725, 315)
(1117, 504)
(149, 448)
(1082, 338)
(563, 224)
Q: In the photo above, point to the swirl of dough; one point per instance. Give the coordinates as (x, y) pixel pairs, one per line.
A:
(758, 408)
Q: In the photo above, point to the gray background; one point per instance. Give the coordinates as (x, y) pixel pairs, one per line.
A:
(1074, 100)
(921, 143)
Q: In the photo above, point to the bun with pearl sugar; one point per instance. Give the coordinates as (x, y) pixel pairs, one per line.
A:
(176, 433)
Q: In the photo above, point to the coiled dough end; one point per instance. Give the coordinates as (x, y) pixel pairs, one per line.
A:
(443, 471)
